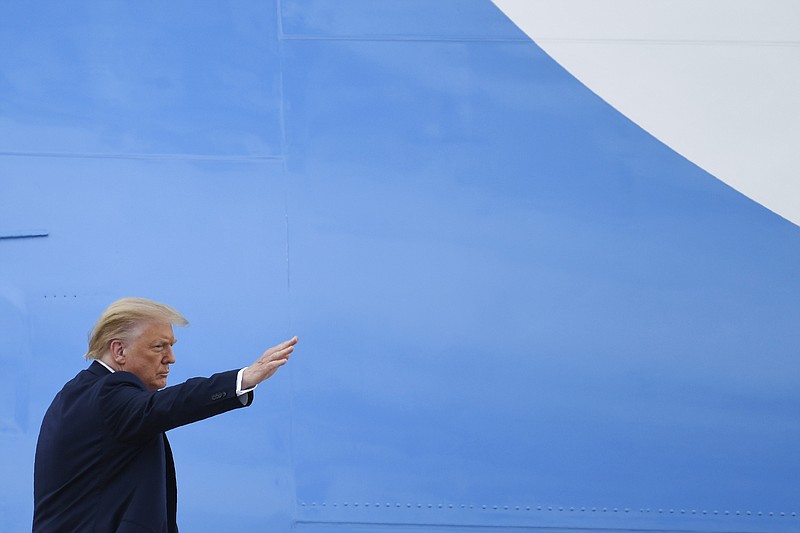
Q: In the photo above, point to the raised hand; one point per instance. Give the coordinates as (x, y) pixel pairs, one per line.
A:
(267, 364)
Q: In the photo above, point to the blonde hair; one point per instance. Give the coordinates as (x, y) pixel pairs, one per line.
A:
(122, 318)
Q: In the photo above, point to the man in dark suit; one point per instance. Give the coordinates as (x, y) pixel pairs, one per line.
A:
(103, 462)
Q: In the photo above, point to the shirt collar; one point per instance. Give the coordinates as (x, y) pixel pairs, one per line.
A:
(105, 365)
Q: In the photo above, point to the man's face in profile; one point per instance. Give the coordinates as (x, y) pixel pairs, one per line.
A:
(149, 355)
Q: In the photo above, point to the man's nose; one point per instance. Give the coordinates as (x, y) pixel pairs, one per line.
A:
(169, 356)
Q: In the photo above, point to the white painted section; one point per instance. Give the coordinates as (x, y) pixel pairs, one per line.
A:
(716, 80)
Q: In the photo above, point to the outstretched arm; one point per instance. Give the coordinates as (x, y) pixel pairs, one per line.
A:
(267, 364)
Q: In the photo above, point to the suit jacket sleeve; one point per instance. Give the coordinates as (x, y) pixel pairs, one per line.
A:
(132, 412)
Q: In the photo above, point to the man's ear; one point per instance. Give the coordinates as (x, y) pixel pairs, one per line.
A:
(117, 349)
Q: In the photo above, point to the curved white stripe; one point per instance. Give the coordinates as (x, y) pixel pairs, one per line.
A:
(716, 80)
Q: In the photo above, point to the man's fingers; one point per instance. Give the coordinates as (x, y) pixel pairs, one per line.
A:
(290, 342)
(275, 359)
(284, 348)
(280, 354)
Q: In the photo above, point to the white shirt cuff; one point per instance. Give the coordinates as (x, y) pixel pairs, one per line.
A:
(239, 391)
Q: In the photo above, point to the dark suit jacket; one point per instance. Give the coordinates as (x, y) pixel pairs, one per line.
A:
(103, 463)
